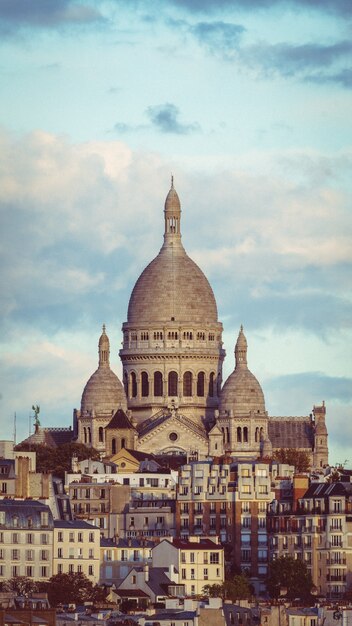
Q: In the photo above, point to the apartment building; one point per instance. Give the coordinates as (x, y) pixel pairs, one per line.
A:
(196, 561)
(119, 556)
(76, 548)
(229, 500)
(316, 526)
(26, 539)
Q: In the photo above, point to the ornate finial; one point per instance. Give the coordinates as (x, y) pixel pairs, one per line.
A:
(104, 328)
(241, 329)
(172, 181)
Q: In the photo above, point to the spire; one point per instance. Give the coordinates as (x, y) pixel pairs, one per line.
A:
(172, 215)
(104, 349)
(241, 349)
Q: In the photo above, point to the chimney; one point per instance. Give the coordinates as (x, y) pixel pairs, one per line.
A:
(146, 572)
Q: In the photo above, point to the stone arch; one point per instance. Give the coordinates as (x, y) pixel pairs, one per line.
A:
(133, 385)
(172, 383)
(187, 384)
(200, 384)
(145, 384)
(211, 385)
(158, 384)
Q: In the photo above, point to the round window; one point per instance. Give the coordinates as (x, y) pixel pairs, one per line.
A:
(123, 464)
(173, 436)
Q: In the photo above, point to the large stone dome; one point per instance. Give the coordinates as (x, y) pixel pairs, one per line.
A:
(172, 287)
(103, 392)
(241, 393)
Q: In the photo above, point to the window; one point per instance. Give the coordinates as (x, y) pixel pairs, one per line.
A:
(158, 384)
(91, 537)
(200, 384)
(90, 570)
(183, 573)
(70, 568)
(44, 555)
(59, 553)
(15, 521)
(30, 538)
(211, 385)
(2, 518)
(71, 537)
(187, 384)
(44, 518)
(214, 557)
(29, 571)
(145, 385)
(192, 574)
(101, 434)
(134, 384)
(205, 573)
(191, 557)
(80, 537)
(134, 579)
(15, 538)
(15, 571)
(15, 555)
(172, 384)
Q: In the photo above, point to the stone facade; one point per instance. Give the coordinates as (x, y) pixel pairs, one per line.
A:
(172, 400)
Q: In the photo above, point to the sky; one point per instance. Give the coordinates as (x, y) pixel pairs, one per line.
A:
(248, 103)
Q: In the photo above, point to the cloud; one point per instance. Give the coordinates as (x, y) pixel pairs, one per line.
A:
(291, 60)
(342, 8)
(165, 118)
(19, 15)
(343, 78)
(218, 37)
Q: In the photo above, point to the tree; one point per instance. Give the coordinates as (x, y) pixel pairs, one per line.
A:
(235, 588)
(298, 458)
(291, 574)
(22, 585)
(58, 460)
(69, 588)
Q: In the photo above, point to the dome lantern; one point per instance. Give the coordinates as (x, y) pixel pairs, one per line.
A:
(172, 216)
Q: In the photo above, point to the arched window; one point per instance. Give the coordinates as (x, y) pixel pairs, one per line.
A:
(245, 434)
(158, 384)
(256, 437)
(145, 385)
(227, 434)
(262, 434)
(123, 443)
(125, 383)
(89, 435)
(200, 384)
(113, 446)
(133, 385)
(223, 433)
(239, 434)
(218, 385)
(101, 434)
(211, 385)
(85, 435)
(187, 384)
(172, 384)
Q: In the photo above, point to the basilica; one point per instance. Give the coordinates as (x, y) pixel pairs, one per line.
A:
(172, 399)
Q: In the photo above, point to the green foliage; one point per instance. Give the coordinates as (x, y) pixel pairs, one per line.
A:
(235, 588)
(22, 585)
(58, 460)
(291, 574)
(298, 458)
(73, 588)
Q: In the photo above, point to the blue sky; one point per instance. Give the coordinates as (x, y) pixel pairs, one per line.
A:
(249, 105)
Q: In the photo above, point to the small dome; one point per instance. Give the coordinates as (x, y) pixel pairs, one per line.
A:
(103, 393)
(172, 202)
(242, 392)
